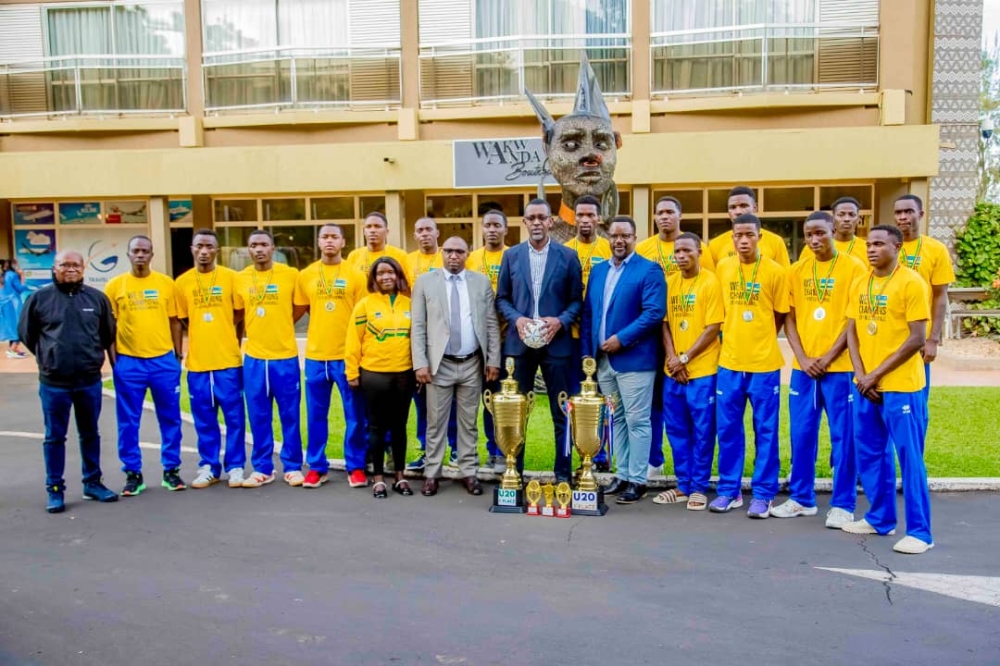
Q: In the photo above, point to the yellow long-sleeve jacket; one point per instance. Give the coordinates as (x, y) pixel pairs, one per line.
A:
(379, 339)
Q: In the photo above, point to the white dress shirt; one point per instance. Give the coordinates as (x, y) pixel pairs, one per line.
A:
(469, 342)
(537, 260)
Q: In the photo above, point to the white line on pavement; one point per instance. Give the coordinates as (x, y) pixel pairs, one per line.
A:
(980, 589)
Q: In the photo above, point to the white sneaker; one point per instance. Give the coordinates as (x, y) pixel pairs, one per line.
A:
(912, 546)
(654, 472)
(294, 479)
(236, 478)
(862, 527)
(258, 479)
(792, 509)
(837, 518)
(204, 478)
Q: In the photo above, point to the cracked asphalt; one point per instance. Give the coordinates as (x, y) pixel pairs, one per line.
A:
(331, 576)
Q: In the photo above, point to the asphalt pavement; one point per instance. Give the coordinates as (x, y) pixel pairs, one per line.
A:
(283, 575)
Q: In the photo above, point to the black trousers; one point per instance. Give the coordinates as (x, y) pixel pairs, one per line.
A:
(387, 406)
(559, 377)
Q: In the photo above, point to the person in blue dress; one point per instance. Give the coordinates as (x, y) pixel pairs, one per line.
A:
(11, 288)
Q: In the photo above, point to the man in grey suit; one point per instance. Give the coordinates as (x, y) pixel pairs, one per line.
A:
(454, 333)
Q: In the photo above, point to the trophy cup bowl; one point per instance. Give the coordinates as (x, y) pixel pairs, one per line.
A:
(585, 416)
(510, 411)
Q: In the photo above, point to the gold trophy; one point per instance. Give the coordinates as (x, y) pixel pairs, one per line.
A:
(564, 495)
(549, 508)
(510, 411)
(533, 491)
(585, 412)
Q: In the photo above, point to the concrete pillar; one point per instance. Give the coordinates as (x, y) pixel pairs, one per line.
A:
(409, 43)
(159, 233)
(394, 212)
(640, 211)
(192, 36)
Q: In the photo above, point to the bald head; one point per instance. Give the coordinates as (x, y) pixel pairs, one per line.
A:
(68, 267)
(455, 251)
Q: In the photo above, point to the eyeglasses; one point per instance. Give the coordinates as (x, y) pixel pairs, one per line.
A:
(68, 266)
(624, 237)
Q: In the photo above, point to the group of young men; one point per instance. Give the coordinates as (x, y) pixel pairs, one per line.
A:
(684, 334)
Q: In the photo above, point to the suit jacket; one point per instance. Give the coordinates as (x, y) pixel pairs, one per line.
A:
(561, 295)
(635, 314)
(430, 327)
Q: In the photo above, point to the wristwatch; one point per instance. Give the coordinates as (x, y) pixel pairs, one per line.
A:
(683, 358)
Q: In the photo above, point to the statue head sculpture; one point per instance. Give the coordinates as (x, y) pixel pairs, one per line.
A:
(582, 148)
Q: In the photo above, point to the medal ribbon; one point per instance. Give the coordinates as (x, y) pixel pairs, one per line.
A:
(261, 294)
(567, 441)
(664, 261)
(871, 292)
(684, 295)
(328, 290)
(201, 289)
(485, 268)
(576, 246)
(912, 263)
(821, 293)
(851, 246)
(609, 405)
(748, 294)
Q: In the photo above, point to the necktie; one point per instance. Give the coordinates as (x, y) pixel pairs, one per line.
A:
(455, 338)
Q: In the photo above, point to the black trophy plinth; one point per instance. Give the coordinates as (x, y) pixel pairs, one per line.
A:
(507, 501)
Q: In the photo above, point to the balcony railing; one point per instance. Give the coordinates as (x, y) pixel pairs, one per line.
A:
(495, 70)
(811, 56)
(93, 85)
(302, 78)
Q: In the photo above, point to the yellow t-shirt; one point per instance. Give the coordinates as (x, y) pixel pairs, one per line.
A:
(418, 263)
(662, 252)
(266, 298)
(771, 245)
(819, 329)
(856, 247)
(206, 301)
(379, 340)
(899, 300)
(691, 306)
(590, 254)
(487, 263)
(331, 292)
(362, 258)
(930, 259)
(749, 338)
(143, 308)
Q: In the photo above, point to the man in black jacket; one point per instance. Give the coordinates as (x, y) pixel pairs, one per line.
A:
(69, 327)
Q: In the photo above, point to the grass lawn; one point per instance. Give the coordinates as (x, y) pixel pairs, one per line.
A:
(961, 441)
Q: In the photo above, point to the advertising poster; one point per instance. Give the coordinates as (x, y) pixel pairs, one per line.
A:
(125, 212)
(104, 252)
(34, 213)
(500, 163)
(180, 211)
(80, 213)
(35, 251)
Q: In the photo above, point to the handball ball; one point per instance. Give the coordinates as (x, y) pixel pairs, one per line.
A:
(534, 334)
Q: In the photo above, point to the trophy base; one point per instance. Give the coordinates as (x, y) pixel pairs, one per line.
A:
(548, 511)
(507, 501)
(589, 503)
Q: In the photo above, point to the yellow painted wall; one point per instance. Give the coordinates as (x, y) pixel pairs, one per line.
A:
(789, 155)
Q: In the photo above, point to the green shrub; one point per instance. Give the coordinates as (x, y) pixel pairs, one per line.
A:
(978, 247)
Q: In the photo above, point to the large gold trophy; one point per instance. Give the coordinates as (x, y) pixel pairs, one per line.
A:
(585, 413)
(510, 411)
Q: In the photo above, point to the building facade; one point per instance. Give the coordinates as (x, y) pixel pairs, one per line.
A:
(161, 116)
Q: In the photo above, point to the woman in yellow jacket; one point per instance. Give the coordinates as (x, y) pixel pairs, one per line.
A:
(377, 359)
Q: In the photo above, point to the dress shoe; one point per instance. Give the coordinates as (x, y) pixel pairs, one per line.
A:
(632, 494)
(430, 488)
(615, 487)
(472, 485)
(603, 467)
(56, 503)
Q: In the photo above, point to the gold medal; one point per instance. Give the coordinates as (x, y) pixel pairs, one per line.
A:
(207, 317)
(261, 311)
(330, 306)
(683, 325)
(819, 314)
(872, 328)
(748, 315)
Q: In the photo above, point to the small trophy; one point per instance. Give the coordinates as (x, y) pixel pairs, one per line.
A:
(585, 411)
(533, 491)
(563, 495)
(510, 411)
(549, 508)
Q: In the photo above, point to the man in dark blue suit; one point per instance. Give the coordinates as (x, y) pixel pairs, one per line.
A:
(540, 282)
(622, 324)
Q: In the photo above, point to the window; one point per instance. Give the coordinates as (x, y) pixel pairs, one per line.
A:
(721, 45)
(128, 57)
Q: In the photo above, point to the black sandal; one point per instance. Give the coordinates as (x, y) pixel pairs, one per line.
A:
(379, 491)
(402, 487)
